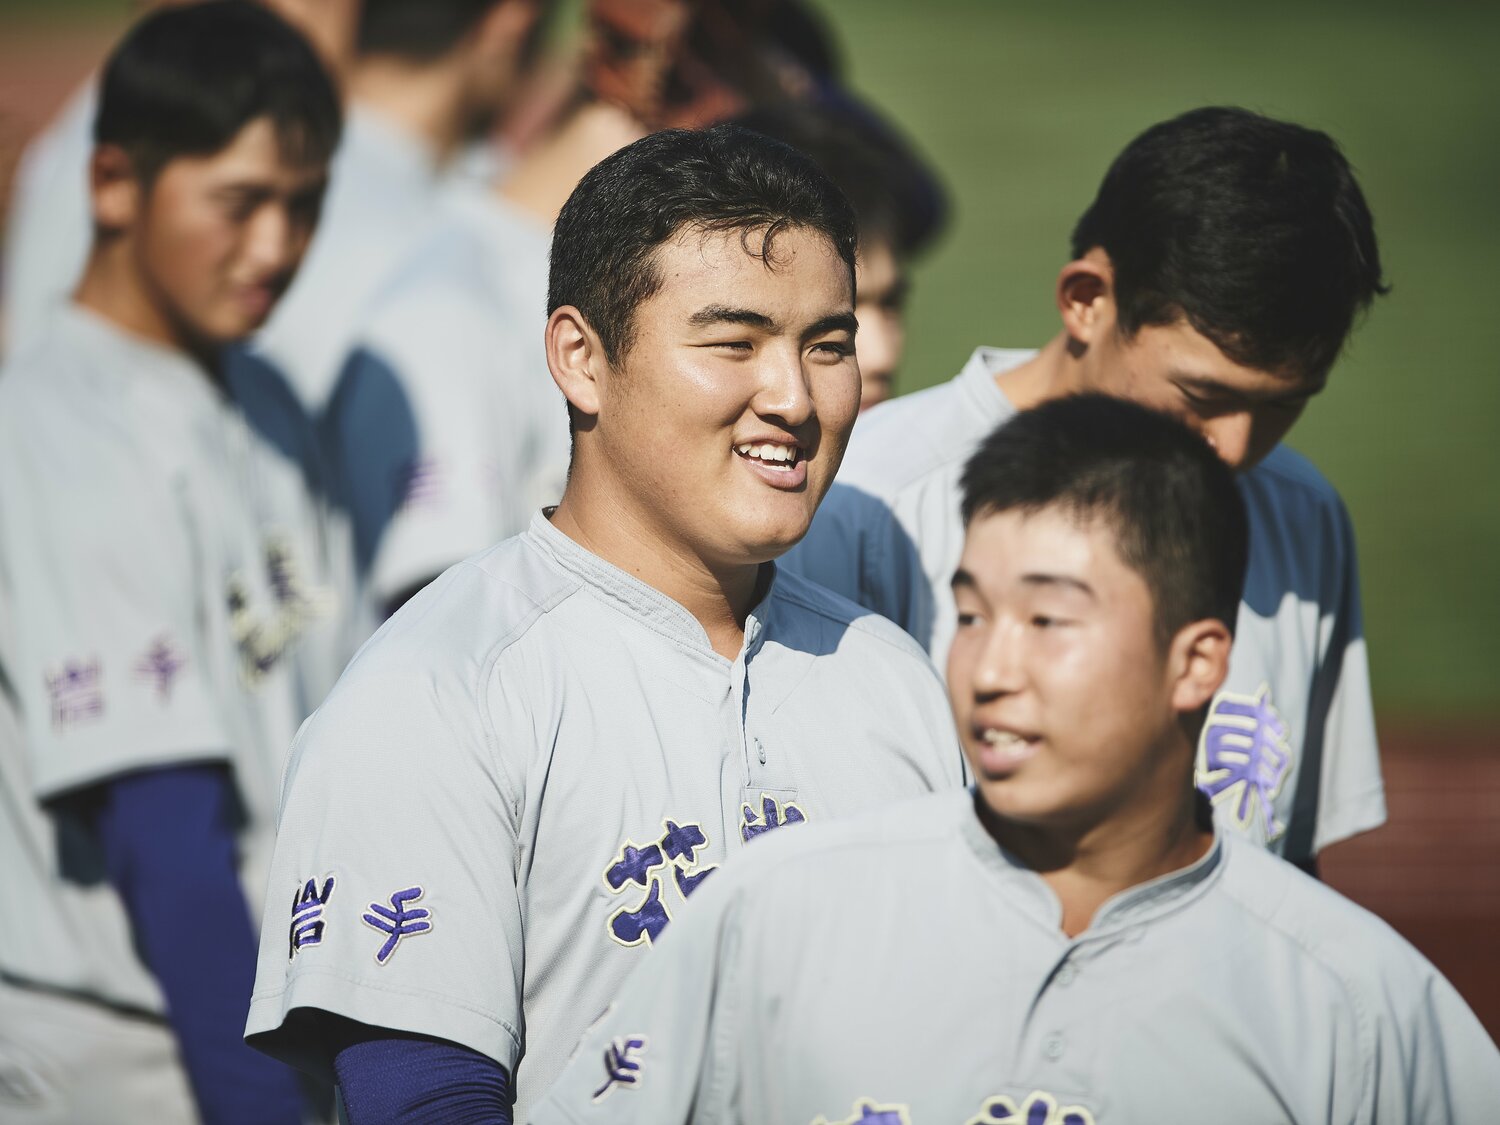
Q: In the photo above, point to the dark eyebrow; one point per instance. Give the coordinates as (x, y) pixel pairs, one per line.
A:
(1211, 388)
(962, 577)
(723, 314)
(834, 322)
(1059, 580)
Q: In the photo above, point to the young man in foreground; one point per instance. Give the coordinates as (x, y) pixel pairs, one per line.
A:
(520, 781)
(1074, 941)
(1215, 276)
(157, 590)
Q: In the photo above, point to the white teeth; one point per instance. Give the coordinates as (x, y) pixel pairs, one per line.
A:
(1003, 738)
(768, 451)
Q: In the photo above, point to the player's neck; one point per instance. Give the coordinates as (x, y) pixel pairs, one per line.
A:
(543, 179)
(719, 598)
(424, 102)
(1087, 866)
(1050, 374)
(113, 290)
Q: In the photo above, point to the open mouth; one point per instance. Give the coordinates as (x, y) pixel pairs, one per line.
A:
(772, 455)
(1004, 748)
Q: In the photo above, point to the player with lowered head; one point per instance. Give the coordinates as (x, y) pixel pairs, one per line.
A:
(1216, 276)
(521, 780)
(157, 590)
(1074, 941)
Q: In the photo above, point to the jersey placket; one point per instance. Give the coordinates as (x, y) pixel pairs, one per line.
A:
(767, 796)
(1062, 1040)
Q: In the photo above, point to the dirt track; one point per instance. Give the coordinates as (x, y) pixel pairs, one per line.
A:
(1433, 870)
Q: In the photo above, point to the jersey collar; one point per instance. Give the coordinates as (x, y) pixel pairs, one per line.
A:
(144, 362)
(978, 381)
(1131, 909)
(643, 602)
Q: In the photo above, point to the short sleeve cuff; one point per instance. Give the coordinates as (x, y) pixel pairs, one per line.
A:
(99, 759)
(1350, 818)
(271, 1028)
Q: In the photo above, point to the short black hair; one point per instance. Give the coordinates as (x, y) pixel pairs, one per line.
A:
(631, 203)
(1177, 516)
(185, 80)
(1254, 230)
(896, 197)
(417, 30)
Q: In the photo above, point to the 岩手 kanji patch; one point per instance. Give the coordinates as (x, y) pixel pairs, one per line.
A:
(398, 920)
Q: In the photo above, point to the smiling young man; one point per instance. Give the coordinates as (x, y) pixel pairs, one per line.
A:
(157, 564)
(1074, 941)
(1215, 276)
(520, 781)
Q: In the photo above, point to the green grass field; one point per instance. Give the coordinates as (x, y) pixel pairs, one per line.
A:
(1023, 105)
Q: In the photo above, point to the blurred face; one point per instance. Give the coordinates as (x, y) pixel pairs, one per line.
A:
(502, 46)
(1063, 698)
(727, 418)
(217, 239)
(880, 304)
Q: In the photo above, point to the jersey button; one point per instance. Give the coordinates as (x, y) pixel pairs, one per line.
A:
(1053, 1048)
(1067, 974)
(760, 749)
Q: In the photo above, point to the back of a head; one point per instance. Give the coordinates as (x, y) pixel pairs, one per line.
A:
(631, 203)
(896, 196)
(185, 80)
(418, 31)
(1172, 504)
(1254, 230)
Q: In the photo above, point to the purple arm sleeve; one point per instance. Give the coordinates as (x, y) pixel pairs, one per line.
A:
(169, 847)
(391, 1078)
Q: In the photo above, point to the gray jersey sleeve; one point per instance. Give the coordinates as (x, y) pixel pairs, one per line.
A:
(1351, 793)
(392, 898)
(110, 663)
(1433, 1061)
(664, 1050)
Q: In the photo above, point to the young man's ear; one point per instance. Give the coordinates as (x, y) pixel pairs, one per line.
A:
(115, 191)
(1198, 663)
(1086, 296)
(576, 359)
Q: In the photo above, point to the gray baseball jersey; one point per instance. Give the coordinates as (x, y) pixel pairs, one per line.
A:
(1289, 752)
(456, 342)
(156, 576)
(901, 969)
(521, 779)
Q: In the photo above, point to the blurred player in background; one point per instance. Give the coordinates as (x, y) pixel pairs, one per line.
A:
(1216, 275)
(157, 571)
(48, 232)
(1074, 942)
(426, 76)
(891, 191)
(519, 782)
